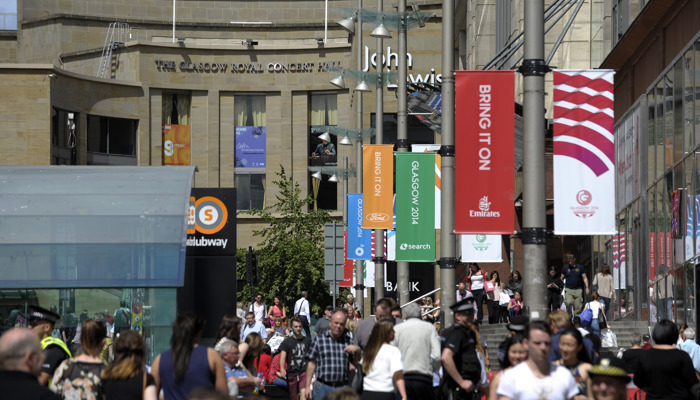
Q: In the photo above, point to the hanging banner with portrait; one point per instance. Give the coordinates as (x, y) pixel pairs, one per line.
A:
(415, 207)
(378, 186)
(484, 163)
(176, 144)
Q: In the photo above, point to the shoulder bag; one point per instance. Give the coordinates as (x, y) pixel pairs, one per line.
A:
(357, 380)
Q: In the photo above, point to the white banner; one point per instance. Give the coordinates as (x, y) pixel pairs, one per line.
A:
(584, 153)
(421, 148)
(480, 248)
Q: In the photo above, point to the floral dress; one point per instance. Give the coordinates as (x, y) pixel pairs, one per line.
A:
(78, 380)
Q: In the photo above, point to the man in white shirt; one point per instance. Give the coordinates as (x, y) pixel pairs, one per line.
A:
(692, 348)
(537, 377)
(461, 292)
(258, 308)
(419, 359)
(301, 309)
(252, 325)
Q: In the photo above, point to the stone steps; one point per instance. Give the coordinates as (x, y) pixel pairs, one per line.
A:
(496, 333)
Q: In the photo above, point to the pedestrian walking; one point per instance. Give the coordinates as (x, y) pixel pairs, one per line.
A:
(186, 365)
(462, 370)
(419, 345)
(693, 349)
(382, 365)
(537, 377)
(574, 357)
(663, 371)
(630, 357)
(554, 287)
(302, 310)
(126, 377)
(558, 322)
(515, 354)
(604, 285)
(330, 357)
(253, 326)
(476, 278)
(277, 310)
(41, 322)
(229, 328)
(493, 297)
(22, 356)
(80, 376)
(598, 310)
(575, 281)
(382, 311)
(293, 359)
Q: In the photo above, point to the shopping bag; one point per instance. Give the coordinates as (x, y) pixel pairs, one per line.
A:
(586, 317)
(489, 286)
(504, 299)
(609, 339)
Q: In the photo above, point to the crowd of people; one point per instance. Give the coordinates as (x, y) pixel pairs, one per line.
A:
(395, 353)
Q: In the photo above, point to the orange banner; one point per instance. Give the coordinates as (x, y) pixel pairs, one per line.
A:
(378, 186)
(176, 144)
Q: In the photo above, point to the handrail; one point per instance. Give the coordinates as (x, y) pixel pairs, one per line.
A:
(430, 311)
(425, 295)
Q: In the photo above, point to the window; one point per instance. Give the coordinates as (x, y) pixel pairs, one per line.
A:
(63, 137)
(111, 141)
(250, 150)
(8, 15)
(323, 156)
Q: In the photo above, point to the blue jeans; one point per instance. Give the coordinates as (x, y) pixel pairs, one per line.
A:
(606, 304)
(279, 382)
(664, 308)
(595, 327)
(322, 390)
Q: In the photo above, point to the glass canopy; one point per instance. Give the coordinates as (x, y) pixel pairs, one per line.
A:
(92, 226)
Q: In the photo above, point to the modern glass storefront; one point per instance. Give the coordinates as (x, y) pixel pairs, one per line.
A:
(657, 248)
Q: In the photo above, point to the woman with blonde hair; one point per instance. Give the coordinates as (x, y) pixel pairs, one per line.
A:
(382, 365)
(80, 377)
(126, 377)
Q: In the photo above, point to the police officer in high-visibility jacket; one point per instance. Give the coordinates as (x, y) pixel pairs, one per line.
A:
(41, 321)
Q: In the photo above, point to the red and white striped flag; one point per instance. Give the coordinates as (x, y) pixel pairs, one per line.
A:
(584, 152)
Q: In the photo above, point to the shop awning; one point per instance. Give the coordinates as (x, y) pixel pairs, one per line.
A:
(93, 226)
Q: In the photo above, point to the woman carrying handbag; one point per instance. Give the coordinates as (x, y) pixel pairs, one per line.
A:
(598, 321)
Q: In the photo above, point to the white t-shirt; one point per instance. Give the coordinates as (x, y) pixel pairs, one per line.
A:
(595, 307)
(259, 311)
(519, 383)
(381, 375)
(477, 281)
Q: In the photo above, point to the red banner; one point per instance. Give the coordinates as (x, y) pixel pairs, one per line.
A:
(347, 265)
(484, 146)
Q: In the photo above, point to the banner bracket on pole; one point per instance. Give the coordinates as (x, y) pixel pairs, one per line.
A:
(447, 151)
(534, 67)
(534, 236)
(448, 262)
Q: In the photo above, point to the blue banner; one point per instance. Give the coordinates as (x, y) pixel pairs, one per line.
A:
(251, 147)
(359, 240)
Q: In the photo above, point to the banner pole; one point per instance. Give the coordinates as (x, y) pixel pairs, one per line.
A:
(379, 259)
(359, 264)
(402, 270)
(448, 259)
(534, 236)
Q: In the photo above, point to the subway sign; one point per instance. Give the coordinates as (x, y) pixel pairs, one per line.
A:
(211, 222)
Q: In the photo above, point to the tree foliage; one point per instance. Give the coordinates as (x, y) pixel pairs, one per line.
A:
(290, 258)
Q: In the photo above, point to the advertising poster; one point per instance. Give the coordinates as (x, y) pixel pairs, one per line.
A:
(378, 186)
(415, 207)
(347, 266)
(211, 228)
(250, 147)
(484, 168)
(584, 152)
(176, 144)
(359, 240)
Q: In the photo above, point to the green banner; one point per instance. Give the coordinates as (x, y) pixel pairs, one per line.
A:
(415, 207)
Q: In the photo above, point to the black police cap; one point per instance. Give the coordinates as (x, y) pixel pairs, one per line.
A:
(37, 313)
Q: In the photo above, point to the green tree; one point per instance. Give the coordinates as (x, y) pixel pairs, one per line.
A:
(291, 257)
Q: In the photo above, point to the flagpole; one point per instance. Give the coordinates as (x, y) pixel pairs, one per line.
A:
(379, 259)
(402, 271)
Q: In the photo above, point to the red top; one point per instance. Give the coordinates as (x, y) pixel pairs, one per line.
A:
(262, 364)
(274, 369)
